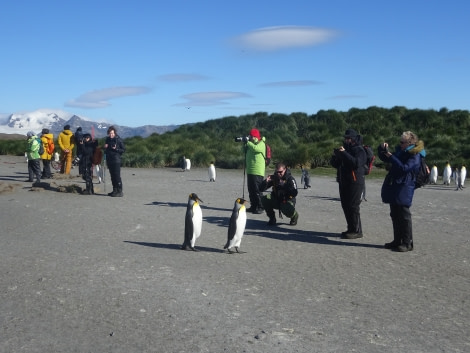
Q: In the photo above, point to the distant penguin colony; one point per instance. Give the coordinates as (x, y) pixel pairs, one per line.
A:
(237, 226)
(192, 222)
(212, 174)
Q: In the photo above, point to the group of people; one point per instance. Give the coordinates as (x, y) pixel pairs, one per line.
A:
(350, 161)
(87, 151)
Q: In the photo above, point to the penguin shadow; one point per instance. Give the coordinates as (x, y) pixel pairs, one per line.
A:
(327, 198)
(439, 187)
(174, 246)
(181, 204)
(11, 178)
(286, 232)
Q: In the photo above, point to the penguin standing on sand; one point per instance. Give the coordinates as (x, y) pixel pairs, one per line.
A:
(463, 175)
(192, 223)
(433, 178)
(446, 175)
(305, 179)
(237, 225)
(212, 174)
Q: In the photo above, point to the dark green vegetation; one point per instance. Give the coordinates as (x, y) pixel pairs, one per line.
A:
(297, 138)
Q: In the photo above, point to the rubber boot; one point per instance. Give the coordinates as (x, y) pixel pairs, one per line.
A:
(272, 218)
(87, 191)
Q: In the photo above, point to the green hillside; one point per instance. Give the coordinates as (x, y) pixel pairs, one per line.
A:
(298, 138)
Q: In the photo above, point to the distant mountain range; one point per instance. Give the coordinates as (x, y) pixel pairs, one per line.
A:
(56, 120)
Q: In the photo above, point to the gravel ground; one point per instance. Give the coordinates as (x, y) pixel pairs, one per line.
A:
(100, 274)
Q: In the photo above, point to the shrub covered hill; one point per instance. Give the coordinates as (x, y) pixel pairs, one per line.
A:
(299, 138)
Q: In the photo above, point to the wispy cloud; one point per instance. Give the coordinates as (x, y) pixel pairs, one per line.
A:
(291, 83)
(346, 96)
(284, 37)
(182, 77)
(100, 98)
(210, 98)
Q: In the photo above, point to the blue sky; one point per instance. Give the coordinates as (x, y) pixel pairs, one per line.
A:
(174, 62)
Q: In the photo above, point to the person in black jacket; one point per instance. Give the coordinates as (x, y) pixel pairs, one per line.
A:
(282, 196)
(87, 150)
(349, 160)
(79, 143)
(114, 148)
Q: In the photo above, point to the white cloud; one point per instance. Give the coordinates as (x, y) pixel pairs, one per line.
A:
(291, 83)
(182, 77)
(100, 98)
(283, 37)
(210, 98)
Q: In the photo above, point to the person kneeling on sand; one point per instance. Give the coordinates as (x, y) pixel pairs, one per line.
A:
(282, 196)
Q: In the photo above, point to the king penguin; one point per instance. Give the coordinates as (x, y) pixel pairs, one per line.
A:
(192, 223)
(446, 175)
(212, 174)
(463, 175)
(433, 179)
(237, 225)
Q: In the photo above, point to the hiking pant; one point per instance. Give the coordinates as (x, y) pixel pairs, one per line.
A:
(34, 169)
(46, 170)
(115, 173)
(66, 162)
(270, 203)
(351, 195)
(402, 227)
(254, 182)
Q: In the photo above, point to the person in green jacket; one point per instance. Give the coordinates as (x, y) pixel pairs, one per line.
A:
(32, 152)
(255, 151)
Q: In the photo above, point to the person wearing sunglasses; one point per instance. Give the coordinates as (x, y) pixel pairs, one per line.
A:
(349, 160)
(282, 196)
(399, 186)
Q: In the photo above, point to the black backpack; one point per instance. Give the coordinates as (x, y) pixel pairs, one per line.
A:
(424, 174)
(41, 146)
(370, 158)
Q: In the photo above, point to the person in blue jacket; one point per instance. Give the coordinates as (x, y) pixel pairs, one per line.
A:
(399, 186)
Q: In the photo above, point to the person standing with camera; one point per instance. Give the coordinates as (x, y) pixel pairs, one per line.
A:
(349, 160)
(399, 187)
(114, 148)
(255, 150)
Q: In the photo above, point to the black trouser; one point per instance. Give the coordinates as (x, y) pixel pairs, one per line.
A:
(350, 202)
(34, 169)
(254, 182)
(115, 173)
(46, 170)
(87, 173)
(402, 227)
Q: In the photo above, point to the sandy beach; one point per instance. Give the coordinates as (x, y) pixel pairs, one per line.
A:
(101, 274)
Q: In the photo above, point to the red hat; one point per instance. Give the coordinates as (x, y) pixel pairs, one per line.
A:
(255, 133)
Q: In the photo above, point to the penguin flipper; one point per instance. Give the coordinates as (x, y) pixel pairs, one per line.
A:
(188, 228)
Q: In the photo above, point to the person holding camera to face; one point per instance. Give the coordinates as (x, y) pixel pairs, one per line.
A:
(349, 160)
(399, 186)
(255, 150)
(282, 196)
(114, 148)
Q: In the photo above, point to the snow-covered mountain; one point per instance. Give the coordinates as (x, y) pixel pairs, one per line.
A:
(55, 120)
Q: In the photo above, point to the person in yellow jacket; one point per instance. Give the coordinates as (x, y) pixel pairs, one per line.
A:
(66, 142)
(46, 138)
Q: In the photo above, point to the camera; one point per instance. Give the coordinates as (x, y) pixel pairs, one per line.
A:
(242, 139)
